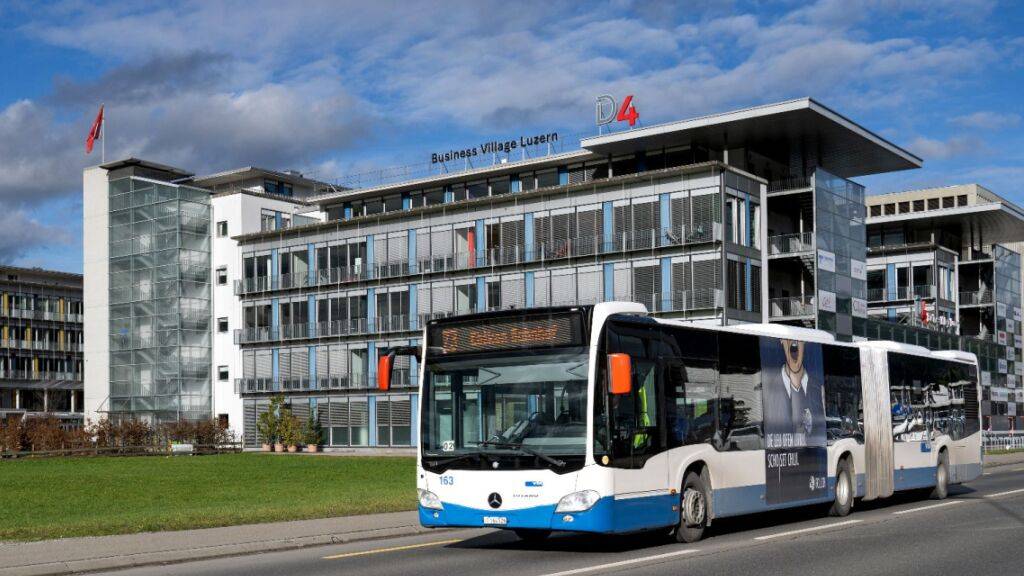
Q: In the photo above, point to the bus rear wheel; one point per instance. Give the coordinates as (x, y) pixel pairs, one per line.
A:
(532, 535)
(941, 489)
(693, 510)
(844, 490)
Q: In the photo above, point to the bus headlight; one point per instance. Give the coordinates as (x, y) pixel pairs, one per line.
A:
(430, 500)
(578, 501)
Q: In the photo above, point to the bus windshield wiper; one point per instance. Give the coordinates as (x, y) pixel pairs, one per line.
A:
(459, 458)
(529, 451)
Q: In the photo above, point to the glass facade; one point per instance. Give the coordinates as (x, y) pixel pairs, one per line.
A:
(839, 214)
(159, 300)
(1006, 295)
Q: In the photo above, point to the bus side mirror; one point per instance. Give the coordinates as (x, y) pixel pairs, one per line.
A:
(620, 373)
(384, 364)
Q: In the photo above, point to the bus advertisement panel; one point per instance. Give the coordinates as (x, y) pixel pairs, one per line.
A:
(796, 453)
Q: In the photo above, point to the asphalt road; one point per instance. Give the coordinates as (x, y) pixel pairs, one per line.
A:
(977, 531)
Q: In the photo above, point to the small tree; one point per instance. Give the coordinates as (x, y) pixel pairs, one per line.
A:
(291, 429)
(267, 427)
(312, 431)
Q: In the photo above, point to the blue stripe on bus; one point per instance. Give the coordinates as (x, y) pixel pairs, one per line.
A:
(611, 515)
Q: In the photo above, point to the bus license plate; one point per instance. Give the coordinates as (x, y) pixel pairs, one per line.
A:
(495, 520)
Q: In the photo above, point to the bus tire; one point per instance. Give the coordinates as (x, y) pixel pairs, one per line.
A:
(941, 489)
(693, 509)
(844, 490)
(532, 535)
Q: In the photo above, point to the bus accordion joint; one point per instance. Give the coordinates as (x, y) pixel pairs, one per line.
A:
(620, 380)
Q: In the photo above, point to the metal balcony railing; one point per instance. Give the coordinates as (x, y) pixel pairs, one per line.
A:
(49, 376)
(494, 256)
(791, 243)
(361, 380)
(791, 183)
(975, 297)
(379, 325)
(793, 306)
(923, 291)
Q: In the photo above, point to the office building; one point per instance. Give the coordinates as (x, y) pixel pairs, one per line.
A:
(40, 344)
(746, 216)
(949, 259)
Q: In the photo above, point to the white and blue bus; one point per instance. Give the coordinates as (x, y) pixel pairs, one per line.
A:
(602, 419)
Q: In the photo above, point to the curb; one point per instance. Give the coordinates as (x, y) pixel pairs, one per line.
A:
(163, 557)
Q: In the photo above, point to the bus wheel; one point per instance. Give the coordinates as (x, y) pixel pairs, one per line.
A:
(528, 535)
(941, 489)
(844, 490)
(693, 510)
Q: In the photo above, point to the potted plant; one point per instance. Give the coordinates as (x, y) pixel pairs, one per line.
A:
(291, 431)
(266, 429)
(280, 412)
(311, 433)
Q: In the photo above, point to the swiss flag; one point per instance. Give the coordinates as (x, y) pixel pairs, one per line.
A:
(94, 132)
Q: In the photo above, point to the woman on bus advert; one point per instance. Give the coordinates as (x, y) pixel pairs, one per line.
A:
(796, 464)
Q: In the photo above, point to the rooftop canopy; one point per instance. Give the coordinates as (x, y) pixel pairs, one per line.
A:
(779, 131)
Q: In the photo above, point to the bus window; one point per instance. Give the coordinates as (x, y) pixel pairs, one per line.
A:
(691, 385)
(844, 411)
(636, 422)
(739, 404)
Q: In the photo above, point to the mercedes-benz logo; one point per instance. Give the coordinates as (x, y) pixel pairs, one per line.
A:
(494, 500)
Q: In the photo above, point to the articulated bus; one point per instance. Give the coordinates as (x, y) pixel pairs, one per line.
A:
(602, 419)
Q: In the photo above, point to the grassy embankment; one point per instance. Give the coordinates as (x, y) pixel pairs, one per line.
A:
(61, 497)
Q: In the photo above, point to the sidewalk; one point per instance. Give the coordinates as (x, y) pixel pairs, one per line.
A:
(71, 555)
(993, 460)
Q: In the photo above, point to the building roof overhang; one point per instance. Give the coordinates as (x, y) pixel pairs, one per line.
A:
(997, 222)
(842, 146)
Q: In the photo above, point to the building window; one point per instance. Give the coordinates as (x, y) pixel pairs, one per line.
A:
(918, 205)
(890, 209)
(222, 373)
(222, 325)
(904, 207)
(961, 200)
(933, 203)
(947, 201)
(876, 210)
(222, 228)
(222, 276)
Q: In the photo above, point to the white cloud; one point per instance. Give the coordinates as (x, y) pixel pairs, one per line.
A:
(932, 149)
(987, 120)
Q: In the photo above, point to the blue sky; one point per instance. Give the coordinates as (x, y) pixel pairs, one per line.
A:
(334, 89)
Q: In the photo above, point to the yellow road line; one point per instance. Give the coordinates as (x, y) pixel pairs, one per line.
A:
(392, 549)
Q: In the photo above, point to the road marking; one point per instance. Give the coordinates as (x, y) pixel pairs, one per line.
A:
(929, 507)
(1007, 493)
(811, 529)
(392, 549)
(623, 563)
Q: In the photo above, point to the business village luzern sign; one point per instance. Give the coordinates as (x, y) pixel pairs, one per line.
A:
(494, 147)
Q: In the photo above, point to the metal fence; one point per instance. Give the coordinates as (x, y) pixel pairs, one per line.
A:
(1005, 440)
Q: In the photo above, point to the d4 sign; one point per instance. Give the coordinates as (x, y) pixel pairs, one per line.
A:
(607, 111)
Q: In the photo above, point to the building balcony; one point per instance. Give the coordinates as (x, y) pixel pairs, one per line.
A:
(356, 381)
(40, 345)
(791, 244)
(41, 315)
(42, 376)
(790, 184)
(902, 293)
(354, 327)
(494, 256)
(976, 298)
(791, 307)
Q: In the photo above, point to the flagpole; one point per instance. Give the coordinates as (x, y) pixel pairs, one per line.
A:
(103, 135)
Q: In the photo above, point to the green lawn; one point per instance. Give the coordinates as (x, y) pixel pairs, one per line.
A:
(59, 497)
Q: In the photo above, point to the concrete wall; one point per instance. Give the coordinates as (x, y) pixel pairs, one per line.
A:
(96, 281)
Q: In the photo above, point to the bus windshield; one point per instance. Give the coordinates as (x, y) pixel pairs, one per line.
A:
(513, 402)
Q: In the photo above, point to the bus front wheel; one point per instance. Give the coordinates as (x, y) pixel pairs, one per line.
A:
(693, 509)
(941, 489)
(844, 490)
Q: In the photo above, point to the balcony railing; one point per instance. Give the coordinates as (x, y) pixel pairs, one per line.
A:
(977, 297)
(400, 377)
(924, 291)
(49, 376)
(791, 243)
(380, 325)
(791, 183)
(495, 256)
(40, 345)
(41, 315)
(795, 306)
